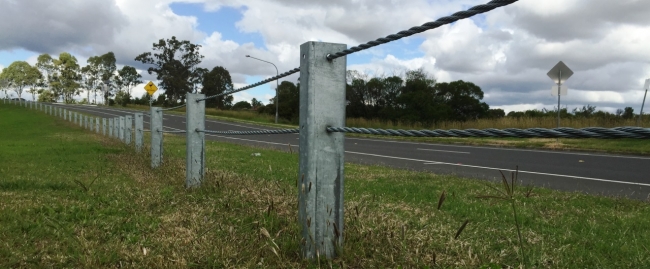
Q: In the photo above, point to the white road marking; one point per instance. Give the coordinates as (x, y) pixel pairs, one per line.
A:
(509, 170)
(508, 149)
(449, 151)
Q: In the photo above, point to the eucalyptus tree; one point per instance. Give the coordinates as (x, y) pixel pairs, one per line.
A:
(174, 62)
(217, 81)
(4, 83)
(107, 69)
(127, 78)
(21, 75)
(90, 75)
(66, 78)
(45, 65)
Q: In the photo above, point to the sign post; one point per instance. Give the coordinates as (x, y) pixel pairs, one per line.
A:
(559, 74)
(151, 89)
(646, 86)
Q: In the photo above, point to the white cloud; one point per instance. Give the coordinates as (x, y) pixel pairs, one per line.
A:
(507, 51)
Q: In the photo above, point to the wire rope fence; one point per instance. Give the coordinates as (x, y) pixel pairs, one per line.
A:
(321, 132)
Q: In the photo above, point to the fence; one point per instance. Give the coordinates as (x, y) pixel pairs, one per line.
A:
(321, 129)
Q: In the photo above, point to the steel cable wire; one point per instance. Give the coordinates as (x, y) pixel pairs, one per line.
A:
(427, 26)
(261, 132)
(563, 132)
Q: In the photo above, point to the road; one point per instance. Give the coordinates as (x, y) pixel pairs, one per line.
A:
(594, 173)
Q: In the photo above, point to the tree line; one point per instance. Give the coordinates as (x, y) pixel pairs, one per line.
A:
(174, 62)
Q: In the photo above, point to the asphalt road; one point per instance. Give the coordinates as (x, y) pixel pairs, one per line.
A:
(594, 173)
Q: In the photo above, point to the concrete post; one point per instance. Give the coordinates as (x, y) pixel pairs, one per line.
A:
(139, 132)
(195, 140)
(50, 109)
(110, 127)
(97, 125)
(122, 126)
(320, 178)
(85, 121)
(65, 114)
(128, 129)
(70, 115)
(156, 123)
(104, 126)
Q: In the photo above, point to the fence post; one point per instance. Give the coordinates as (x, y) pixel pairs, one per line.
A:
(320, 188)
(128, 129)
(122, 125)
(85, 121)
(116, 127)
(139, 131)
(195, 140)
(110, 127)
(50, 110)
(65, 114)
(96, 124)
(156, 119)
(104, 126)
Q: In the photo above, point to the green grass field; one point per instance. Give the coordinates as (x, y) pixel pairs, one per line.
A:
(71, 198)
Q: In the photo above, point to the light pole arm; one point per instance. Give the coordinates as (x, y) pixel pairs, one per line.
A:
(277, 85)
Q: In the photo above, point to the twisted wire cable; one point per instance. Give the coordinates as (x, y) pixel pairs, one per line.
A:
(285, 74)
(173, 132)
(172, 108)
(563, 132)
(261, 132)
(427, 26)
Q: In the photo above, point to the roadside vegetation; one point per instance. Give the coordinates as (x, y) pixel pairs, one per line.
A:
(72, 198)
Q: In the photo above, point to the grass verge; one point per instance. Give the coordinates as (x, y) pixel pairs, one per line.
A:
(71, 198)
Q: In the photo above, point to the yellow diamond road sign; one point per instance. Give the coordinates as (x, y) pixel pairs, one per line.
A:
(150, 88)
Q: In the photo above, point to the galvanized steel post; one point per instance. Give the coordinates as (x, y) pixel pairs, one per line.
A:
(121, 129)
(195, 140)
(116, 127)
(320, 178)
(128, 129)
(156, 119)
(104, 126)
(110, 128)
(139, 131)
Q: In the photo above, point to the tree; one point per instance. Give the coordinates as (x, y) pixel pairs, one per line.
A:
(128, 77)
(217, 81)
(4, 83)
(496, 113)
(90, 75)
(107, 70)
(45, 64)
(241, 105)
(174, 63)
(256, 104)
(20, 74)
(463, 99)
(628, 113)
(46, 96)
(65, 80)
(122, 98)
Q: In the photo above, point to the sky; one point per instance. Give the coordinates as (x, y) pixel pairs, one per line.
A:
(507, 52)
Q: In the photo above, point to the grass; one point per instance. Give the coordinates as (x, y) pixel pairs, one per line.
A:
(71, 198)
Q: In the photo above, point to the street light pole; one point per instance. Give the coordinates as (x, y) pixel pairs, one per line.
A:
(646, 86)
(276, 85)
